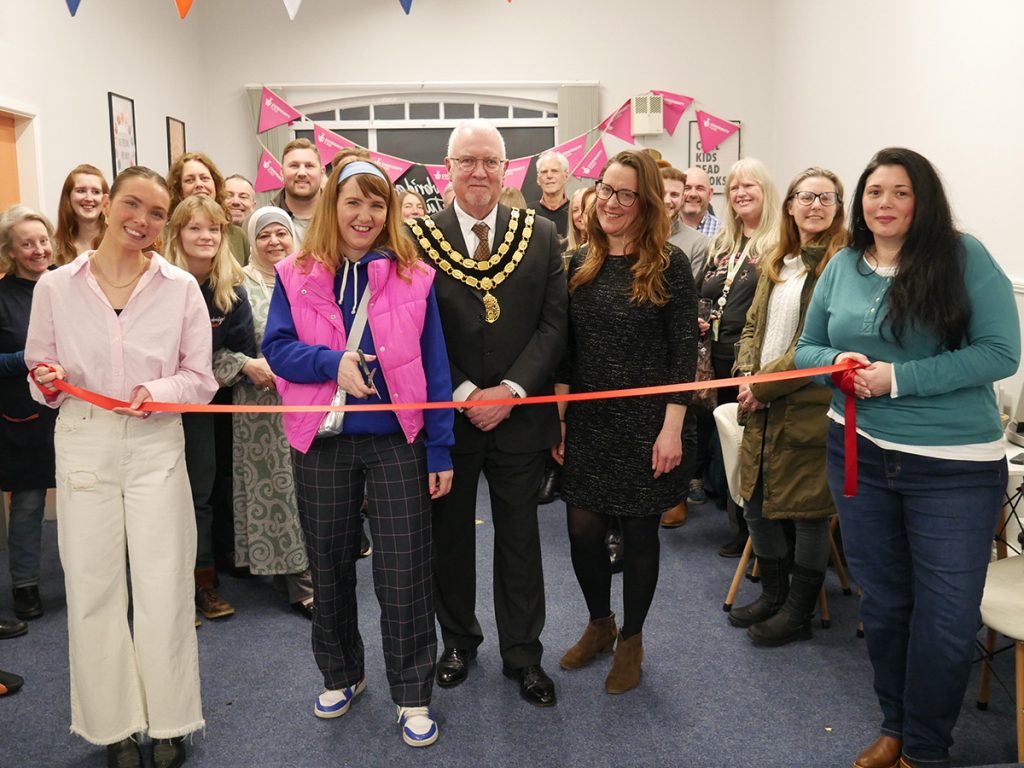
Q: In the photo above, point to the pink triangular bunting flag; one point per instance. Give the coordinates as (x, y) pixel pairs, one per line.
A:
(395, 167)
(572, 149)
(515, 174)
(328, 143)
(73, 6)
(673, 106)
(713, 130)
(269, 176)
(592, 163)
(619, 123)
(439, 176)
(292, 6)
(274, 111)
(184, 6)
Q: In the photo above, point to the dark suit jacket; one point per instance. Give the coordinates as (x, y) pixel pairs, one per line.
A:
(523, 345)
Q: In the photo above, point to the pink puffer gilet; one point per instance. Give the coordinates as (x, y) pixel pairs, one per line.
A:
(396, 315)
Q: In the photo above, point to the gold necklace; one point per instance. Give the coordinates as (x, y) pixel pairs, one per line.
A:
(99, 273)
(492, 310)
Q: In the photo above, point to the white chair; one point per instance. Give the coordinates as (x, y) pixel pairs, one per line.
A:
(1002, 611)
(730, 435)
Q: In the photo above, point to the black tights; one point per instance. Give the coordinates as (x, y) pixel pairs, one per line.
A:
(640, 554)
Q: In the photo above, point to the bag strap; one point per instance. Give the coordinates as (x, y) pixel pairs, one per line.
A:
(358, 322)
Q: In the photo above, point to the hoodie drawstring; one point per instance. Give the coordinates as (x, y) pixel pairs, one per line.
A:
(355, 284)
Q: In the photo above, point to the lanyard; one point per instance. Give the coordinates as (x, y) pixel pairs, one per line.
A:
(736, 262)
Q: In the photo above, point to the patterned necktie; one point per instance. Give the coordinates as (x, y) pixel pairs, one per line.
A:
(483, 249)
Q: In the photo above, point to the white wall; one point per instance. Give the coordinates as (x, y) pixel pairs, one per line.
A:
(628, 47)
(61, 68)
(940, 76)
(815, 83)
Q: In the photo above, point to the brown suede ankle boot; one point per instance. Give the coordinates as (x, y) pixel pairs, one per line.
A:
(625, 672)
(598, 637)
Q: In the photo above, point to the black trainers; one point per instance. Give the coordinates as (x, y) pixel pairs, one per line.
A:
(169, 753)
(124, 754)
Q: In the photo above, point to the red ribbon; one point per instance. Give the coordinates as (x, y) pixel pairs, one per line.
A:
(844, 381)
(842, 377)
(109, 403)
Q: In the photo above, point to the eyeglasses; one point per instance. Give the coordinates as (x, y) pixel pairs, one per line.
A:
(828, 199)
(626, 197)
(469, 164)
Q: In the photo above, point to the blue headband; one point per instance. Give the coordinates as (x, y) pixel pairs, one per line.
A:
(358, 168)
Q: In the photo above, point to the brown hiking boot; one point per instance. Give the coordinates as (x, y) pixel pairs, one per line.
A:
(209, 603)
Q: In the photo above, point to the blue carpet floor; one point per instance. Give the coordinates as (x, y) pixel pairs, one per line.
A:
(708, 698)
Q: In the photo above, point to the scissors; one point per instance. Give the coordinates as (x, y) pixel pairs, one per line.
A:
(367, 373)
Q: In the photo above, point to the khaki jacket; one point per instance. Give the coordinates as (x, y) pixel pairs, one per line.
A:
(785, 442)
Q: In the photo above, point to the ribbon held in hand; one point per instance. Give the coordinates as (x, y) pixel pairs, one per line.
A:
(844, 382)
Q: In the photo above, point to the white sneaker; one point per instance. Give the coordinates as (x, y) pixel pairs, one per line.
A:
(418, 726)
(335, 703)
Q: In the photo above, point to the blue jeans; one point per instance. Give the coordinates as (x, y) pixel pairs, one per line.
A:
(918, 538)
(24, 535)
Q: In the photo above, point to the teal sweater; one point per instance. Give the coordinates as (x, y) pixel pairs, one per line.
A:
(945, 397)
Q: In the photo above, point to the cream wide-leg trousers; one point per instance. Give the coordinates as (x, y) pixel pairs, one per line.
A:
(122, 486)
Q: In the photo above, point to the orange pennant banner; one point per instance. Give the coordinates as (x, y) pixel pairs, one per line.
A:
(184, 6)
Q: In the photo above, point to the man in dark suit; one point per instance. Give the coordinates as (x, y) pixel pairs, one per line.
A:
(502, 297)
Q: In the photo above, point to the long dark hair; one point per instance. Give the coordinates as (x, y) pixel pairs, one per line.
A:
(928, 291)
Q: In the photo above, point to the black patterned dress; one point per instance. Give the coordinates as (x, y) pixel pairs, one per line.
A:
(615, 343)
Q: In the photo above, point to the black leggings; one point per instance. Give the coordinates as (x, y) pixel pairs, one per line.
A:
(640, 553)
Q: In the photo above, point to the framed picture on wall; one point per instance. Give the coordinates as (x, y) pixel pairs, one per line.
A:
(175, 140)
(123, 149)
(717, 162)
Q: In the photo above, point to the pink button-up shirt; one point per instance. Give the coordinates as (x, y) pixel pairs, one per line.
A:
(161, 340)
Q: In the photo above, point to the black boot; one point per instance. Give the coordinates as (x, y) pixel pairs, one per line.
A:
(774, 589)
(793, 622)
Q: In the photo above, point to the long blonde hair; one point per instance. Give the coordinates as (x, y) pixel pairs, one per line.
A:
(728, 239)
(652, 229)
(225, 273)
(323, 241)
(833, 238)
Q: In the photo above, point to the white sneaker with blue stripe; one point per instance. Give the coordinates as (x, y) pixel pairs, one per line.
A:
(335, 703)
(419, 728)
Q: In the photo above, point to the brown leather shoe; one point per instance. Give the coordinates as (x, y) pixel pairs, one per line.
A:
(209, 603)
(884, 753)
(598, 637)
(675, 517)
(625, 672)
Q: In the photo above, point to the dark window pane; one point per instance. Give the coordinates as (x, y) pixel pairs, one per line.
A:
(424, 111)
(458, 111)
(354, 113)
(319, 116)
(520, 142)
(520, 112)
(420, 145)
(389, 112)
(492, 112)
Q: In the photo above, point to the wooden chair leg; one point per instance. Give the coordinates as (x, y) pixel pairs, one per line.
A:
(837, 560)
(826, 619)
(1019, 700)
(741, 568)
(986, 669)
